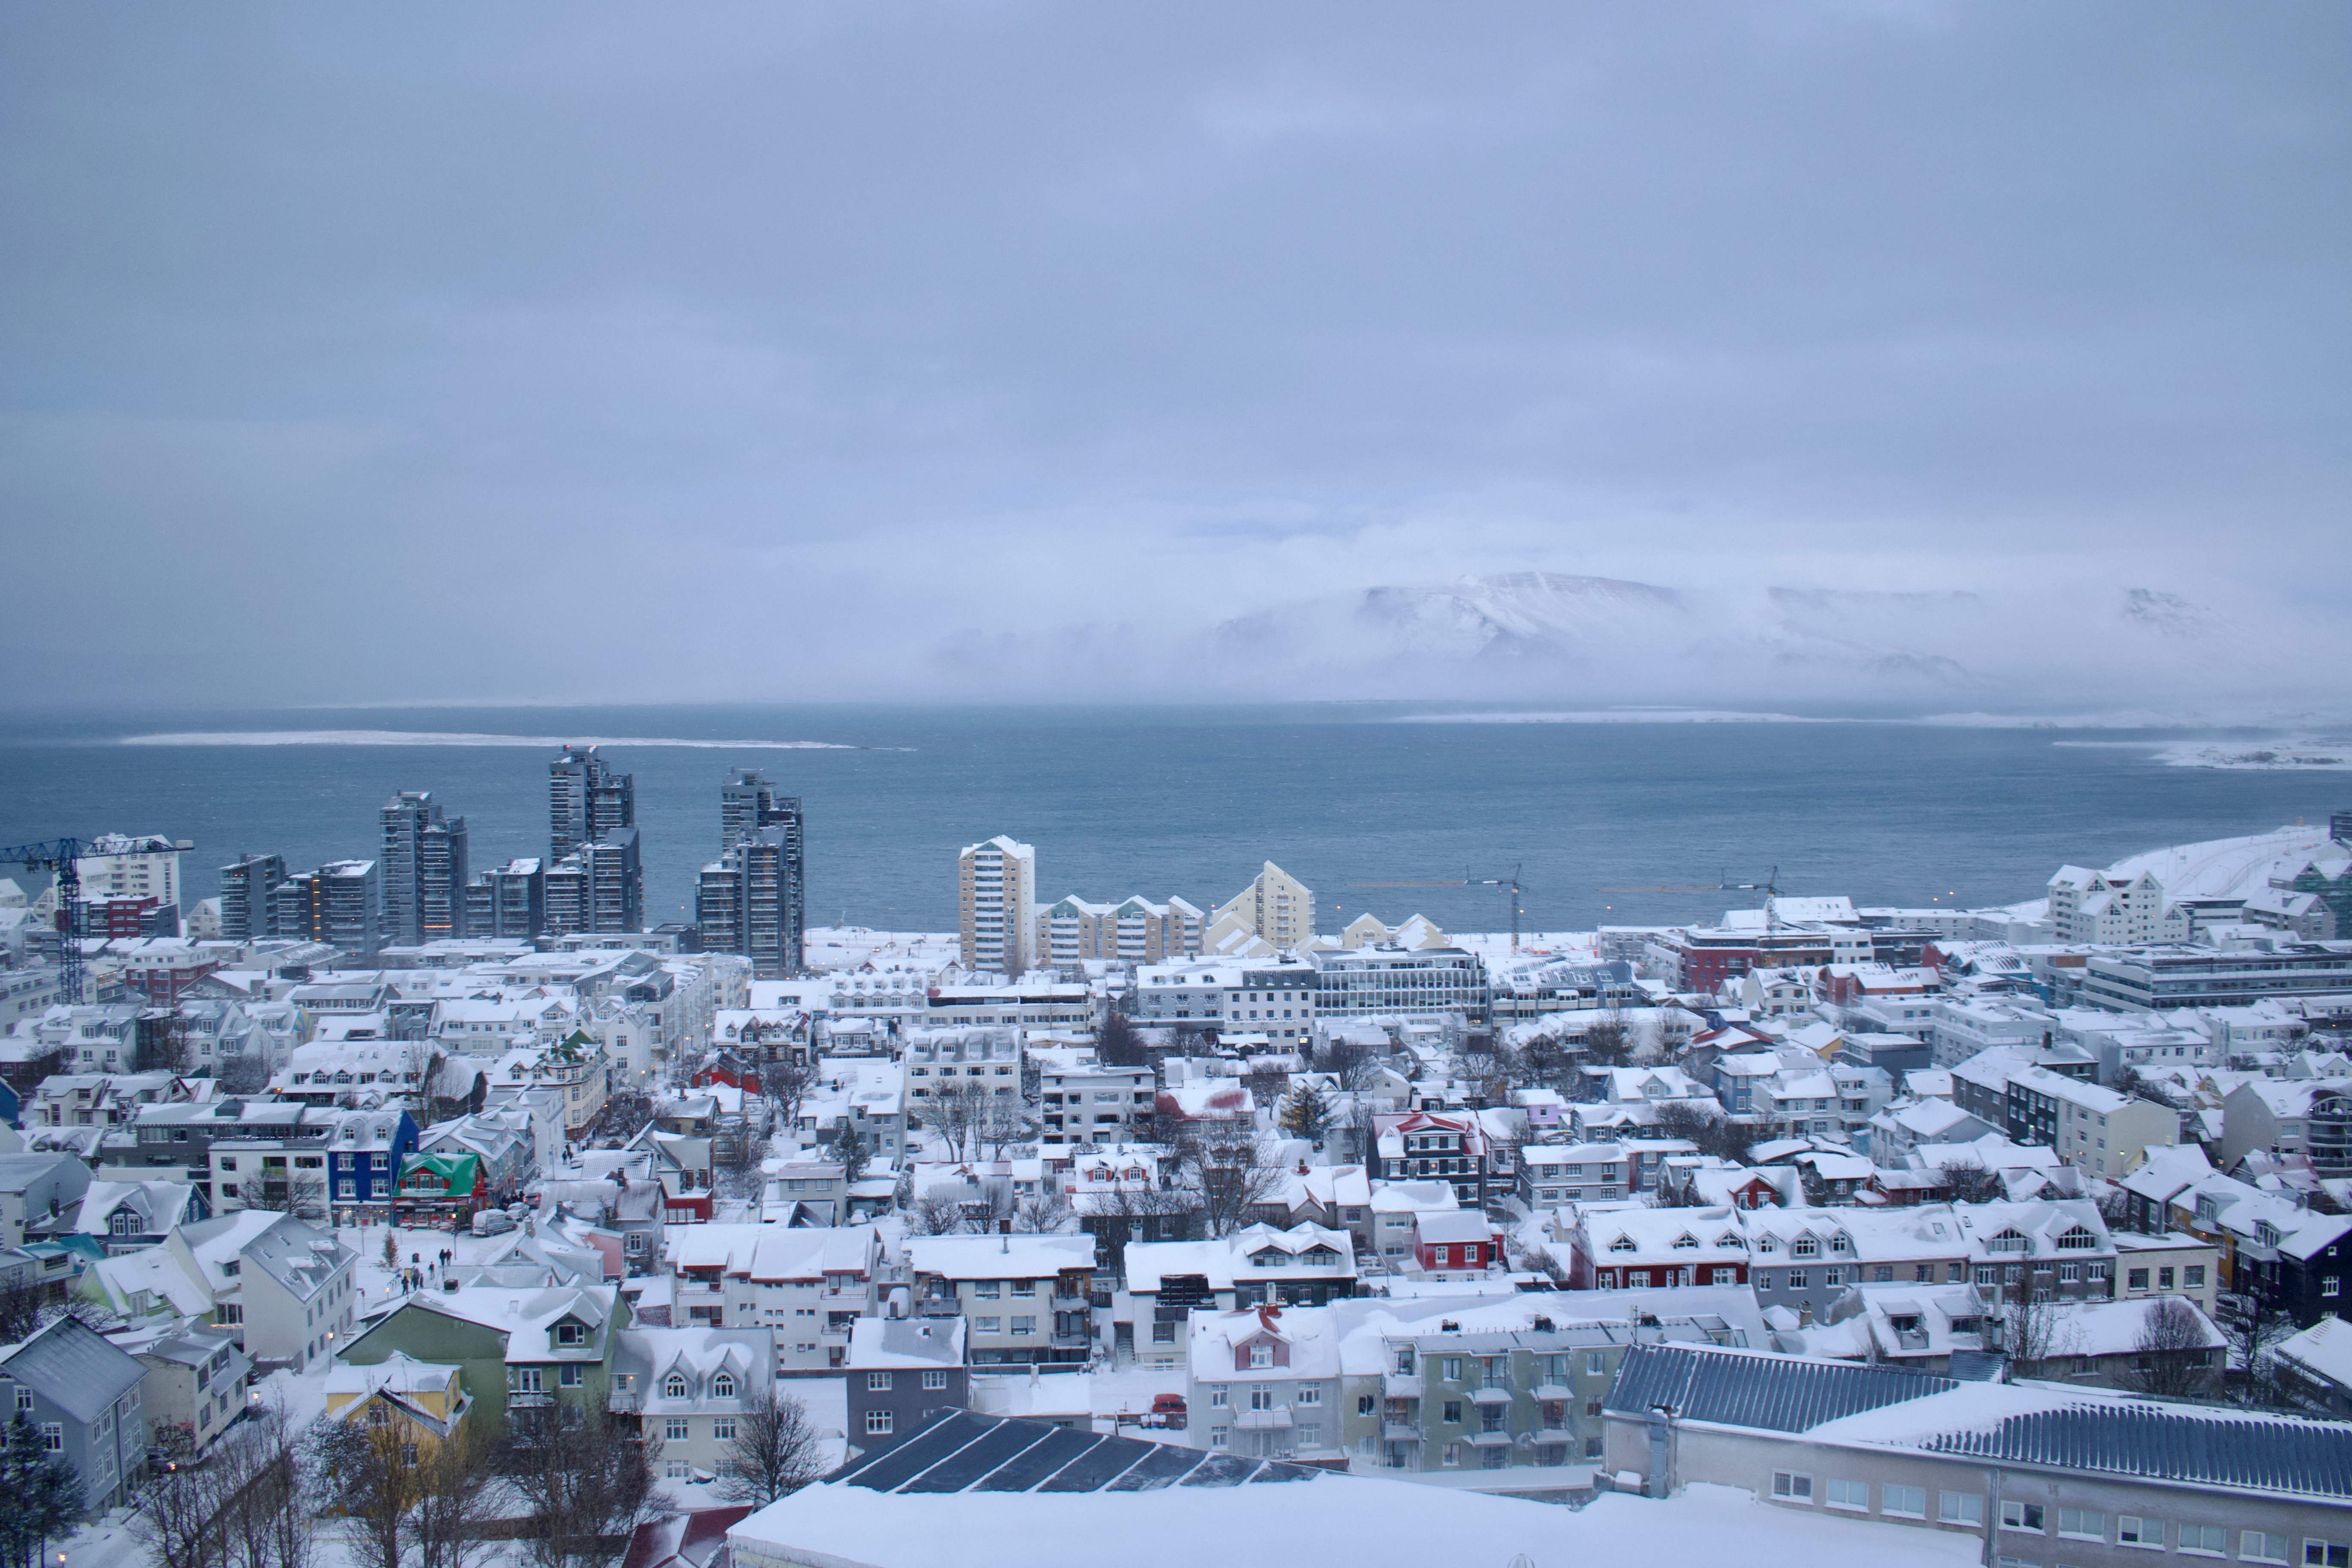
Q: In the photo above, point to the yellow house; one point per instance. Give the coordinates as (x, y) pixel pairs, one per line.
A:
(422, 1400)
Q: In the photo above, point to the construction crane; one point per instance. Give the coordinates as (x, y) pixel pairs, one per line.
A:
(63, 856)
(1511, 882)
(1769, 886)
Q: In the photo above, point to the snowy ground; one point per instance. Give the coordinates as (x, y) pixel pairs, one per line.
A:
(846, 947)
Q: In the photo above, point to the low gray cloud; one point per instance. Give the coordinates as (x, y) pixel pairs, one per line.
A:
(1015, 349)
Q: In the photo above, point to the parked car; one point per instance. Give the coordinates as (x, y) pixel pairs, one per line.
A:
(492, 1222)
(1168, 1410)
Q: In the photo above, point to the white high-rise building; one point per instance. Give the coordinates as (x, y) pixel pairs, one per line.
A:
(2087, 906)
(996, 891)
(122, 867)
(1276, 907)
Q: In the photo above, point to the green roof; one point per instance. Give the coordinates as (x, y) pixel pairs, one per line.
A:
(458, 1172)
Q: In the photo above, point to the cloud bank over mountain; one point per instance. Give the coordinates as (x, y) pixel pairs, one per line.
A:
(1919, 354)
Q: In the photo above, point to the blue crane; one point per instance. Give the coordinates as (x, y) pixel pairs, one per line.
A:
(64, 856)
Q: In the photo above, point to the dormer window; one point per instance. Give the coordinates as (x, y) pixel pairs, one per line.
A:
(674, 1387)
(1842, 1245)
(1622, 1243)
(723, 1387)
(1804, 1247)
(1261, 1356)
(1767, 1244)
(571, 1335)
(1685, 1240)
(2008, 1241)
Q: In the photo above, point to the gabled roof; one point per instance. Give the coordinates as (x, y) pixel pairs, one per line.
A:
(73, 1367)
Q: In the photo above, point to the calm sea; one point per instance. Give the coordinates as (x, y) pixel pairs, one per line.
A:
(1190, 801)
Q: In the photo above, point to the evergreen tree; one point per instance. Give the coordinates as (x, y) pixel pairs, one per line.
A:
(1306, 1114)
(40, 1497)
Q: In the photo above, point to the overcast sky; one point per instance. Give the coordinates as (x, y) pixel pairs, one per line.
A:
(367, 353)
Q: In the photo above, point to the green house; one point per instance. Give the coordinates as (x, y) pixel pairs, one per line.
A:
(437, 1184)
(521, 1353)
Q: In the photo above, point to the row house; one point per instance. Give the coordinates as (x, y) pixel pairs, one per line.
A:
(1552, 1174)
(2283, 1255)
(902, 1371)
(1416, 1145)
(1805, 1258)
(106, 1099)
(284, 1289)
(2090, 1126)
(2056, 1249)
(500, 1140)
(1307, 1265)
(1338, 1198)
(807, 1285)
(1508, 1385)
(688, 1392)
(1024, 1298)
(524, 1357)
(1617, 1249)
(1455, 1244)
(1083, 1101)
(82, 1395)
(364, 1151)
(945, 1061)
(1397, 1208)
(1263, 1383)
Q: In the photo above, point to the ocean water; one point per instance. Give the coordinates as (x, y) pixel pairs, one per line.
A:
(1190, 801)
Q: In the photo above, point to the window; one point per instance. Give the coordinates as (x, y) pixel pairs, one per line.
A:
(2326, 1553)
(723, 1387)
(1452, 1411)
(2192, 1277)
(1904, 1502)
(2083, 1523)
(987, 1325)
(53, 1436)
(1798, 1279)
(1024, 1325)
(568, 1376)
(878, 1381)
(674, 1387)
(2017, 1515)
(1791, 1488)
(676, 1429)
(1848, 1494)
(2256, 1546)
(1959, 1508)
(1261, 1356)
(1261, 1398)
(1163, 1333)
(1217, 1436)
(1451, 1455)
(1310, 1393)
(878, 1423)
(2131, 1529)
(2204, 1539)
(675, 1469)
(935, 1377)
(1596, 1364)
(24, 1399)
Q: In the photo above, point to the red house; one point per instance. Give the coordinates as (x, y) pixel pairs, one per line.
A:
(1452, 1241)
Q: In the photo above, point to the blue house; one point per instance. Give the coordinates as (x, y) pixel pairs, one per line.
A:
(365, 1149)
(12, 1109)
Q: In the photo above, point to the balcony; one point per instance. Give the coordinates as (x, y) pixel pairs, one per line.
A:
(1399, 1431)
(1555, 1435)
(1491, 1396)
(1400, 1385)
(1554, 1393)
(529, 1399)
(1491, 1440)
(938, 1306)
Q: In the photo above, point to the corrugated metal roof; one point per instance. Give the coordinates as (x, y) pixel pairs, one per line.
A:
(960, 1451)
(2309, 1457)
(71, 1367)
(1778, 1394)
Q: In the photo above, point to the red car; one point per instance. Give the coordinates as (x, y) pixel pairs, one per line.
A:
(1168, 1410)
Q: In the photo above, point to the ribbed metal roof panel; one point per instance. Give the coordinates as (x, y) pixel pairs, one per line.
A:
(2311, 1458)
(1776, 1393)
